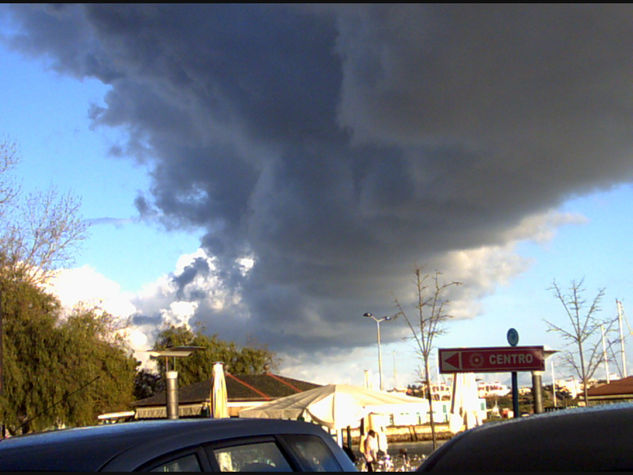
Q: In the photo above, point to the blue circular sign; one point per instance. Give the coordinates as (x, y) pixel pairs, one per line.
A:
(513, 337)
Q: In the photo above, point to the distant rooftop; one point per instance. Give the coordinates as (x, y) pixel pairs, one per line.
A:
(618, 389)
(239, 388)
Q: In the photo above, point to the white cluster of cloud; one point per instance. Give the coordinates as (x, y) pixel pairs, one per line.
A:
(85, 285)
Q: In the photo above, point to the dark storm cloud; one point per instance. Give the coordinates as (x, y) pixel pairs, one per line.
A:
(198, 267)
(139, 319)
(340, 146)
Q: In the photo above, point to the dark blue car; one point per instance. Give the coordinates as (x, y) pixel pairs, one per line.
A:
(179, 445)
(597, 438)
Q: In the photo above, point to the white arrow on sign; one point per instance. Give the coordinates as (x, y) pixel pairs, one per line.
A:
(451, 360)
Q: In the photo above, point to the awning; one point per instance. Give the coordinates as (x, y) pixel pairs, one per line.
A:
(336, 405)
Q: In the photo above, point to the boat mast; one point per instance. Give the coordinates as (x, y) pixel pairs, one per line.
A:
(619, 305)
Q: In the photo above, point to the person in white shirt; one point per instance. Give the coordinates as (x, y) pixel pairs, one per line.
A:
(371, 450)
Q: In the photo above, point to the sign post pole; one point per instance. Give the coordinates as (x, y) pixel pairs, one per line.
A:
(513, 339)
(515, 394)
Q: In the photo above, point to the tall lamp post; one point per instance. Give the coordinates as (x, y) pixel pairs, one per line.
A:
(378, 320)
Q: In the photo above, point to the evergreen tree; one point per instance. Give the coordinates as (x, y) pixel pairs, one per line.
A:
(58, 372)
(198, 366)
(147, 383)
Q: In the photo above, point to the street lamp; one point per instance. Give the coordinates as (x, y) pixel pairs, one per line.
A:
(378, 320)
(171, 377)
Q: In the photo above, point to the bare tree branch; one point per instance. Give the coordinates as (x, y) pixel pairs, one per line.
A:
(431, 314)
(8, 160)
(37, 233)
(584, 324)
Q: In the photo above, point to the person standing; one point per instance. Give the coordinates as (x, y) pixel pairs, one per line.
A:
(371, 450)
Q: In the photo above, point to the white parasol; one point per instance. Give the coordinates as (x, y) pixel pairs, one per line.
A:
(219, 405)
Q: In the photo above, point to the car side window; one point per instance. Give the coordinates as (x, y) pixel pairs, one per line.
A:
(187, 463)
(252, 457)
(314, 453)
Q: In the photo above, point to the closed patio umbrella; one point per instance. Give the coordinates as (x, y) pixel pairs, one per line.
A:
(219, 405)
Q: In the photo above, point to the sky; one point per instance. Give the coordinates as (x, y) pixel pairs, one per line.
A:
(274, 172)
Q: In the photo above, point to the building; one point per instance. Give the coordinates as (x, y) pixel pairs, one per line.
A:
(243, 391)
(485, 390)
(617, 391)
(440, 391)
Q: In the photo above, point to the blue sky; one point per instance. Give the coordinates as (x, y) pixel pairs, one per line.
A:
(47, 114)
(47, 117)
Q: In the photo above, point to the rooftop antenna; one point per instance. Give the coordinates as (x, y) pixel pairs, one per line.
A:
(619, 305)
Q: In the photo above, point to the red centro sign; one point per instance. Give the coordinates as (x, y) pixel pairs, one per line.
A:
(492, 359)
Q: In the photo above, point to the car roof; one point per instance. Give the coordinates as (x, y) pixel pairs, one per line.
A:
(594, 438)
(92, 448)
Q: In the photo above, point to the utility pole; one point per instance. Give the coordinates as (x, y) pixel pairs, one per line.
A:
(604, 354)
(553, 384)
(395, 375)
(619, 305)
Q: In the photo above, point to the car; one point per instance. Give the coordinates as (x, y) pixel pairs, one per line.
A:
(596, 438)
(179, 445)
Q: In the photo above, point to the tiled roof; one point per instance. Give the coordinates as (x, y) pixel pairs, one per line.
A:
(243, 387)
(620, 387)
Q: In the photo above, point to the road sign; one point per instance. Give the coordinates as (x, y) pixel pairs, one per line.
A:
(513, 337)
(491, 359)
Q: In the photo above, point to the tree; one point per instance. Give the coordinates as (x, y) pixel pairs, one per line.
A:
(431, 314)
(8, 160)
(199, 365)
(58, 372)
(37, 232)
(28, 335)
(584, 334)
(94, 350)
(147, 383)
